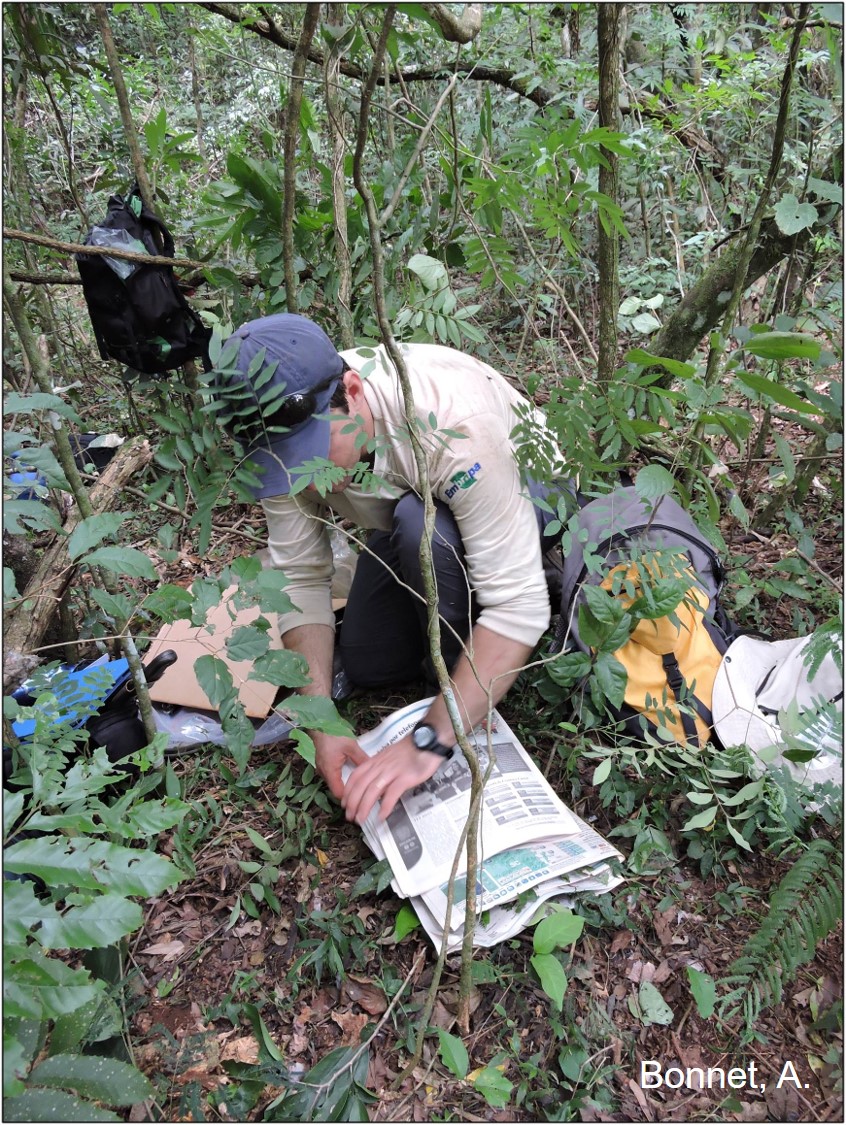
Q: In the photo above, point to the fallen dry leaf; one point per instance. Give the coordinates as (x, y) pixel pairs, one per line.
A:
(640, 971)
(251, 928)
(359, 990)
(351, 1024)
(622, 940)
(167, 950)
(243, 1050)
(640, 1097)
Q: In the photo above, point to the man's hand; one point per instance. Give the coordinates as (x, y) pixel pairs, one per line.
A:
(331, 754)
(385, 777)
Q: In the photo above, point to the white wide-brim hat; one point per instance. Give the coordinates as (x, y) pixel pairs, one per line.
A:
(765, 699)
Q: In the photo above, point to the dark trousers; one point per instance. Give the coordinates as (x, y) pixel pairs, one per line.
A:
(383, 636)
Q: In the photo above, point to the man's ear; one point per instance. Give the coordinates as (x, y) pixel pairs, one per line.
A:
(355, 391)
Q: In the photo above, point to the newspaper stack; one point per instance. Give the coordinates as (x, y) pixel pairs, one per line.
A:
(528, 840)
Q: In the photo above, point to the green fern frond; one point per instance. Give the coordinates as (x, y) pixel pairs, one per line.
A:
(803, 910)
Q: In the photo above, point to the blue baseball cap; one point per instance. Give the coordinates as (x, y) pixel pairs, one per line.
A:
(300, 364)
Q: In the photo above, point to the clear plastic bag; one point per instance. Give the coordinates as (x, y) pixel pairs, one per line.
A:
(344, 559)
(186, 728)
(120, 240)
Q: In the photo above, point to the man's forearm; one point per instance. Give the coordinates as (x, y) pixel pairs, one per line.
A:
(479, 681)
(317, 644)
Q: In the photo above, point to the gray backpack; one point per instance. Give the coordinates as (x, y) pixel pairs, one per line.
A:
(664, 578)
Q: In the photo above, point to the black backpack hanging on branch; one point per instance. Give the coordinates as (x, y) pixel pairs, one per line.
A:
(138, 312)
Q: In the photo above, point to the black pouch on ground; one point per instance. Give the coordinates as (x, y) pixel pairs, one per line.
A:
(116, 725)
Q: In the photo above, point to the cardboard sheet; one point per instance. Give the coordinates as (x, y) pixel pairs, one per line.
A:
(179, 684)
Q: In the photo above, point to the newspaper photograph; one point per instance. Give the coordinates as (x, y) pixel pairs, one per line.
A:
(421, 836)
(535, 849)
(506, 921)
(508, 874)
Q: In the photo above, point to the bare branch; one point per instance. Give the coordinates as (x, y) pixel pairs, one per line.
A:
(456, 29)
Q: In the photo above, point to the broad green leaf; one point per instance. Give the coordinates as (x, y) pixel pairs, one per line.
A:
(92, 865)
(604, 606)
(786, 456)
(89, 532)
(33, 513)
(591, 631)
(281, 667)
(775, 391)
(214, 679)
(783, 345)
(453, 1053)
(303, 744)
(630, 306)
(247, 642)
(94, 1076)
(791, 216)
(569, 668)
(12, 808)
(103, 921)
(747, 793)
(552, 977)
(494, 1087)
(316, 713)
(653, 482)
(701, 820)
(431, 272)
(601, 772)
(824, 189)
(258, 841)
(653, 1006)
(169, 603)
(645, 359)
(97, 1020)
(16, 403)
(23, 911)
(704, 991)
(612, 678)
(700, 798)
(149, 818)
(737, 837)
(406, 921)
(126, 561)
(119, 607)
(270, 592)
(646, 323)
(572, 1061)
(651, 852)
(36, 986)
(23, 1040)
(53, 1105)
(558, 930)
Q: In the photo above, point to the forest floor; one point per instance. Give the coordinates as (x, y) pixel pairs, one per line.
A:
(211, 983)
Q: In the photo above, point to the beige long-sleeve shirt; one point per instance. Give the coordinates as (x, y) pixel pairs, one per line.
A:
(467, 412)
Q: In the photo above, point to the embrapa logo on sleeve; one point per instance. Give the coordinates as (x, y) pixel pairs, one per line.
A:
(463, 480)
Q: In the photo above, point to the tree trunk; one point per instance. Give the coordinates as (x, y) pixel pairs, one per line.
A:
(292, 136)
(705, 304)
(337, 147)
(608, 255)
(27, 620)
(138, 164)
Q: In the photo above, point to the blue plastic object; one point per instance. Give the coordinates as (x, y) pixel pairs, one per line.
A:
(80, 691)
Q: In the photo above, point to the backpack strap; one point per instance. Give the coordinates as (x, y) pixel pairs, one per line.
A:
(160, 231)
(161, 235)
(675, 679)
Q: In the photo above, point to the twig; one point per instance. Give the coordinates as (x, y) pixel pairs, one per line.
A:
(814, 566)
(103, 251)
(350, 1063)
